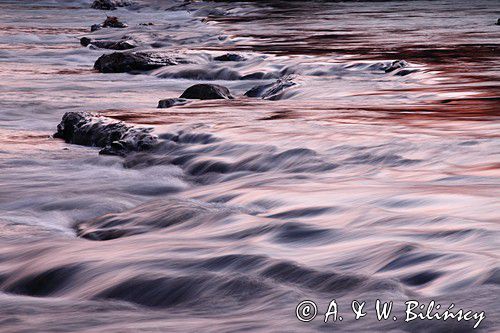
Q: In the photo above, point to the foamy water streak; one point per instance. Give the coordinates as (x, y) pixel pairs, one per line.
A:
(358, 182)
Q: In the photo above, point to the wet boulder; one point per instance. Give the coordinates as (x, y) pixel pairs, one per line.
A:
(115, 137)
(498, 22)
(170, 102)
(207, 91)
(108, 44)
(113, 22)
(126, 62)
(85, 41)
(109, 4)
(272, 91)
(230, 57)
(95, 27)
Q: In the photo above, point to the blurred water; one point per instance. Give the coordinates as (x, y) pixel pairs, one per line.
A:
(357, 184)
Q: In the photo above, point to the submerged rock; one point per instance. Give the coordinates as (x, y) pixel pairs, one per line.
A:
(115, 137)
(169, 102)
(207, 91)
(119, 62)
(406, 71)
(113, 22)
(108, 44)
(109, 4)
(271, 91)
(230, 57)
(389, 66)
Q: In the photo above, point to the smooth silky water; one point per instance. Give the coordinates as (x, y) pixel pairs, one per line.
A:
(355, 184)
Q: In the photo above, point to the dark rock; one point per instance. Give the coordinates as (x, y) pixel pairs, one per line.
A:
(498, 22)
(157, 45)
(207, 91)
(113, 22)
(169, 102)
(108, 44)
(119, 62)
(271, 91)
(109, 4)
(115, 137)
(85, 41)
(95, 27)
(230, 57)
(146, 24)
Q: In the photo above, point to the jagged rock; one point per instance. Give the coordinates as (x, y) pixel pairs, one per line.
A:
(230, 57)
(169, 102)
(115, 137)
(113, 22)
(270, 91)
(119, 62)
(108, 44)
(207, 91)
(95, 27)
(109, 4)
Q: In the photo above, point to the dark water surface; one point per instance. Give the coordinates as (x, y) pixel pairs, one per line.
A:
(356, 183)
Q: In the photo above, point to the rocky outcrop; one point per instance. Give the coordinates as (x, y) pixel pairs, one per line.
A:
(207, 91)
(272, 91)
(230, 57)
(115, 137)
(169, 102)
(108, 44)
(119, 62)
(110, 4)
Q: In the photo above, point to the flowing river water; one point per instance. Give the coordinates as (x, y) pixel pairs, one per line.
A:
(359, 182)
